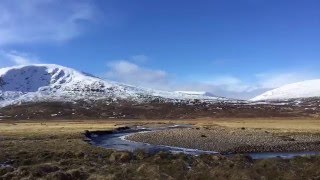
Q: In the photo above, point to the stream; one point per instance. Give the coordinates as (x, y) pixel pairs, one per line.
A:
(117, 140)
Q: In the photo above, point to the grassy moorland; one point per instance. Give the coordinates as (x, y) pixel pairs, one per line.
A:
(56, 150)
(280, 124)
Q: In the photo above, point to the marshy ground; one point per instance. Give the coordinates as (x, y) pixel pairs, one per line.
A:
(57, 150)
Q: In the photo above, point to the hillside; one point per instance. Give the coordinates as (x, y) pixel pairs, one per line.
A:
(304, 89)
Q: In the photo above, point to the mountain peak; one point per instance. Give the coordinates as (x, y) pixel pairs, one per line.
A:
(51, 82)
(303, 89)
(32, 78)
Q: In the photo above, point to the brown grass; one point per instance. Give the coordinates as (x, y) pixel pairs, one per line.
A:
(284, 125)
(52, 127)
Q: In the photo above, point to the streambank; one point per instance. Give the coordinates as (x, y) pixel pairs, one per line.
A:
(218, 140)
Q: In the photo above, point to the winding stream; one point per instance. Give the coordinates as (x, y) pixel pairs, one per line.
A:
(117, 140)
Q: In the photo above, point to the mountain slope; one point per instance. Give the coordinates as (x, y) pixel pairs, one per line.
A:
(49, 82)
(304, 89)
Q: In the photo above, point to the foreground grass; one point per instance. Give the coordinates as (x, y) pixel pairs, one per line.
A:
(56, 150)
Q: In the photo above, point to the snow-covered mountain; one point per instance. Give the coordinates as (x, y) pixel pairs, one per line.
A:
(49, 82)
(304, 89)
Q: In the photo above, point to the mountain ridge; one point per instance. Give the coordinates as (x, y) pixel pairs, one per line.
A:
(51, 82)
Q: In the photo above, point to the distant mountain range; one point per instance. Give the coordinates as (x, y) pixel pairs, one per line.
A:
(54, 83)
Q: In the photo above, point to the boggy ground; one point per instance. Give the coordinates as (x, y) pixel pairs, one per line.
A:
(56, 150)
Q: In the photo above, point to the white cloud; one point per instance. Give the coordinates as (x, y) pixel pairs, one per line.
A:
(274, 80)
(228, 86)
(229, 83)
(231, 86)
(128, 72)
(43, 20)
(14, 58)
(237, 91)
(222, 85)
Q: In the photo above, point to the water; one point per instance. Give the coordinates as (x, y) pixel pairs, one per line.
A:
(283, 155)
(6, 164)
(118, 141)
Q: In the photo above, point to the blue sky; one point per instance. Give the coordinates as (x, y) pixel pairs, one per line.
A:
(234, 48)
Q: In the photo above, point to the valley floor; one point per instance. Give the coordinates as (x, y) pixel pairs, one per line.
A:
(57, 150)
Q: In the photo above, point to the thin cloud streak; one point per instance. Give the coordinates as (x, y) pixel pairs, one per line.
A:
(14, 58)
(43, 20)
